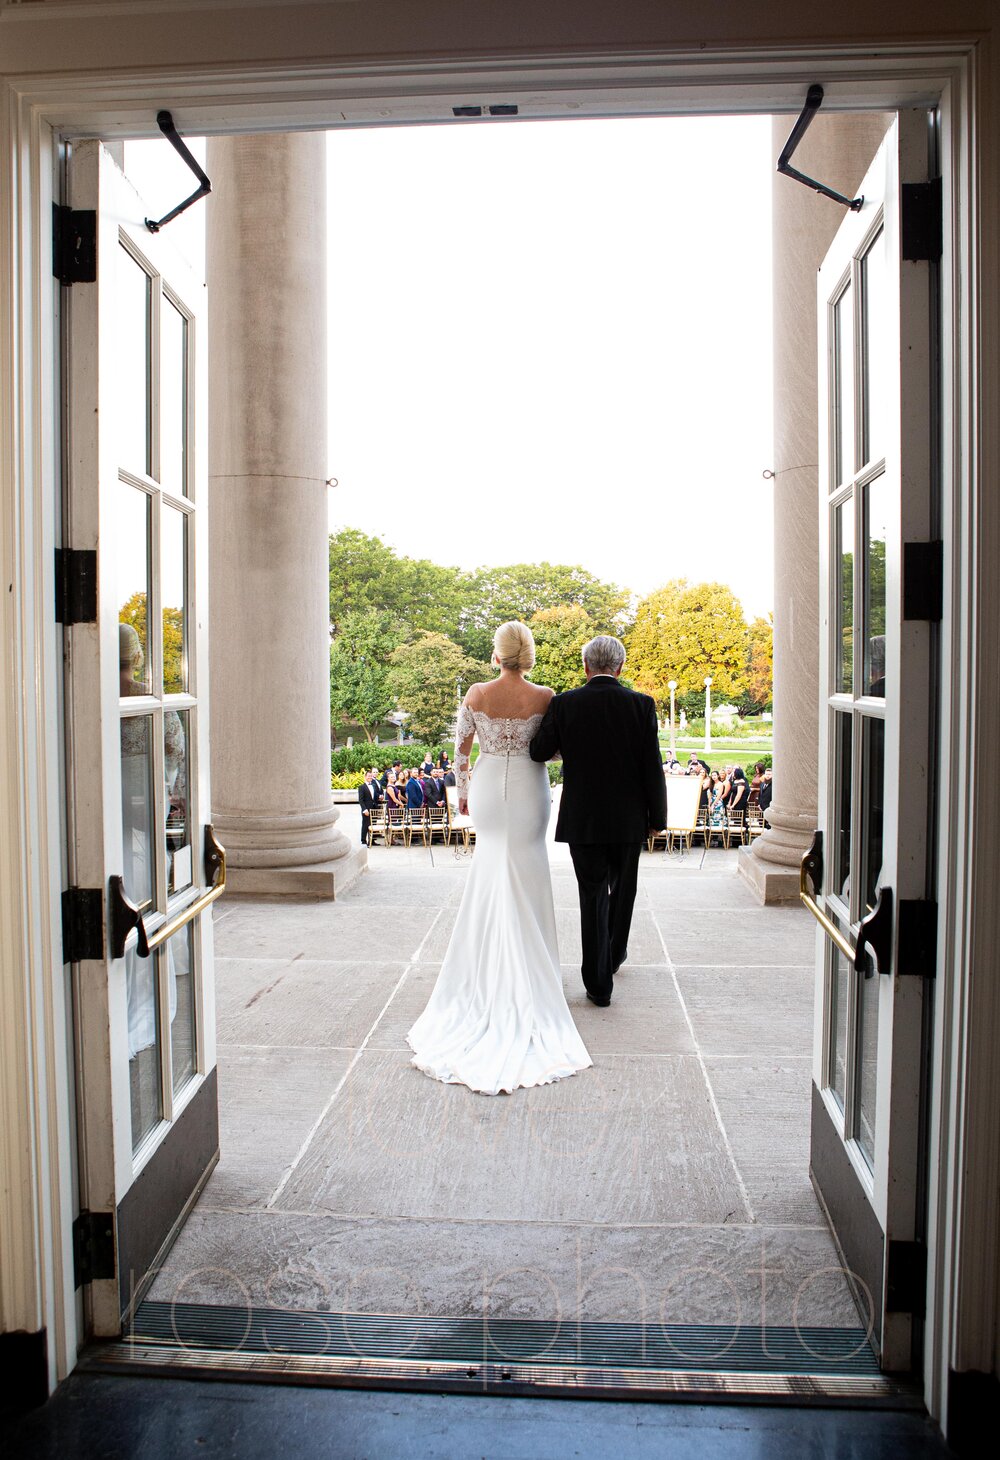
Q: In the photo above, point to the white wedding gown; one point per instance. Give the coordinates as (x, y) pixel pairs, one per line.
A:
(498, 1019)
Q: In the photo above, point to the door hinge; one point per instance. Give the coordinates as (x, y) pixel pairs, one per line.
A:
(923, 580)
(93, 1247)
(916, 949)
(906, 1278)
(76, 586)
(922, 221)
(82, 924)
(74, 244)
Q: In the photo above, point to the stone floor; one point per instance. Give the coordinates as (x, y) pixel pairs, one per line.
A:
(669, 1183)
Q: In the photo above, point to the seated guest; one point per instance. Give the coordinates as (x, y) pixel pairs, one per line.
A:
(414, 792)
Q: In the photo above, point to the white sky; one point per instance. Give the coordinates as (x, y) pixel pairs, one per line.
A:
(548, 340)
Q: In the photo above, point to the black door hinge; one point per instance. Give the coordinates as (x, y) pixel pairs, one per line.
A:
(923, 580)
(93, 1247)
(82, 924)
(916, 949)
(74, 244)
(922, 221)
(76, 586)
(906, 1278)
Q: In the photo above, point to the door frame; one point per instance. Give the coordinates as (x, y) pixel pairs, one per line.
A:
(36, 114)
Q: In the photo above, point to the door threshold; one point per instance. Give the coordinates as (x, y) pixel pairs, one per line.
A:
(695, 1362)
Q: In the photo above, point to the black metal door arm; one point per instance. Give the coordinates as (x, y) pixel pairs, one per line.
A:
(875, 937)
(165, 122)
(814, 100)
(124, 917)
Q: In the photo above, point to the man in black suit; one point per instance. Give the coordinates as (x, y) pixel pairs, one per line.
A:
(369, 796)
(605, 819)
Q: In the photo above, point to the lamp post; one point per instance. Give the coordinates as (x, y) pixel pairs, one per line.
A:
(672, 686)
(708, 713)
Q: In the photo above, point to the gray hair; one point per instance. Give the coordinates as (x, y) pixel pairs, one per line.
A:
(604, 655)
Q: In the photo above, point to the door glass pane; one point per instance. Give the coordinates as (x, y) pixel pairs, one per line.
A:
(173, 596)
(143, 1045)
(132, 563)
(839, 996)
(840, 861)
(872, 807)
(868, 997)
(844, 651)
(876, 534)
(180, 863)
(843, 434)
(876, 354)
(173, 398)
(132, 361)
(179, 959)
(138, 868)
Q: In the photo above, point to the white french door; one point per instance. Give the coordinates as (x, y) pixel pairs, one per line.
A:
(870, 870)
(137, 751)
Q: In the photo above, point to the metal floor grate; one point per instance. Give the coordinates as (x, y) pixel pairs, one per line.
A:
(722, 1348)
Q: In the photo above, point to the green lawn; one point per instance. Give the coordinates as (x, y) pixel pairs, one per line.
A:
(735, 752)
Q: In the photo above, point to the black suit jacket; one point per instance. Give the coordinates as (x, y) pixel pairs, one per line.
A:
(369, 796)
(613, 785)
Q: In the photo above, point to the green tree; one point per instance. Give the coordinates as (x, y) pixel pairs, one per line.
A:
(425, 675)
(687, 631)
(365, 573)
(361, 688)
(520, 590)
(560, 633)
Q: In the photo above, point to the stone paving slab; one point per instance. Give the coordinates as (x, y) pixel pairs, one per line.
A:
(633, 1139)
(300, 1002)
(749, 1011)
(686, 1274)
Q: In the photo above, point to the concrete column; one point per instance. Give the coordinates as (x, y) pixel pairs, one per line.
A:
(270, 716)
(837, 150)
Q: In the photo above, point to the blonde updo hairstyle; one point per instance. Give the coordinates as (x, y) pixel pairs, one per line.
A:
(514, 647)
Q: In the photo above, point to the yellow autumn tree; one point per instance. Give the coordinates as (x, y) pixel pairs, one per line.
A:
(133, 611)
(685, 631)
(760, 674)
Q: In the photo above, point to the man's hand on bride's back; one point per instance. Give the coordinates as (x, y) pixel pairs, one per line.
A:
(463, 808)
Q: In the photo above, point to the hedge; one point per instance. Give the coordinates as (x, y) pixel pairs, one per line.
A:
(359, 757)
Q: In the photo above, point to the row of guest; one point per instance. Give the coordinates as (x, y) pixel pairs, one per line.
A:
(727, 790)
(404, 790)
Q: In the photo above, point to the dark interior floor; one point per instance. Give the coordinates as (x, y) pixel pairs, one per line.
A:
(96, 1417)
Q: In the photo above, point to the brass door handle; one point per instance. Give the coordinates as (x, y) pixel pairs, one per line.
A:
(811, 869)
(125, 915)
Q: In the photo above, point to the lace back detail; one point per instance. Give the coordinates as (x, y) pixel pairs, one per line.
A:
(500, 735)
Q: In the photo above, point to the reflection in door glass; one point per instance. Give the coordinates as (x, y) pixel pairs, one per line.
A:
(876, 534)
(839, 986)
(844, 651)
(132, 361)
(143, 1045)
(872, 807)
(868, 997)
(175, 770)
(173, 398)
(132, 559)
(138, 867)
(875, 343)
(843, 424)
(173, 596)
(180, 971)
(840, 863)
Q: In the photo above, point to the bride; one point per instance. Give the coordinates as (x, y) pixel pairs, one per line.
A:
(498, 1019)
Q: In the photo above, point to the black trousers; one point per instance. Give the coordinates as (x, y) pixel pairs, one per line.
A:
(606, 875)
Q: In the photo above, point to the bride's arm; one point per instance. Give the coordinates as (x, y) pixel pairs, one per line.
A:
(465, 733)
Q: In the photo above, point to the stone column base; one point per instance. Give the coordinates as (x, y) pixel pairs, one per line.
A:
(313, 880)
(772, 885)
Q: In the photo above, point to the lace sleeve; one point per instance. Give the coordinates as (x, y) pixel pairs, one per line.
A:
(465, 730)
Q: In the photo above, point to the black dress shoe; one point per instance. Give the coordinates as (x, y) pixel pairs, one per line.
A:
(601, 1003)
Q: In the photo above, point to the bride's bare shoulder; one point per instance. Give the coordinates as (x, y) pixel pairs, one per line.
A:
(542, 695)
